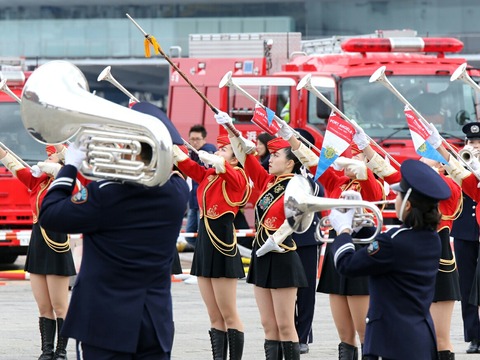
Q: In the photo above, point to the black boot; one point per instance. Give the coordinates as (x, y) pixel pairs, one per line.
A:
(235, 343)
(446, 355)
(347, 352)
(473, 347)
(218, 339)
(47, 333)
(61, 350)
(291, 350)
(273, 350)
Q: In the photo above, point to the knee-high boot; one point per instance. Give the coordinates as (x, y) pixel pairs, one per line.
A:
(235, 343)
(291, 350)
(61, 350)
(347, 352)
(47, 333)
(446, 355)
(273, 350)
(218, 339)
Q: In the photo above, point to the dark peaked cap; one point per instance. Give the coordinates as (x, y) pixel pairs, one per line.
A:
(472, 130)
(423, 180)
(150, 109)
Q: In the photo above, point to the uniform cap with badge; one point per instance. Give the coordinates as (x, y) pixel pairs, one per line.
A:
(471, 130)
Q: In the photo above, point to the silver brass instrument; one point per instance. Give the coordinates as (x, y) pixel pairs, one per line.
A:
(306, 83)
(300, 205)
(469, 154)
(56, 105)
(4, 87)
(379, 76)
(461, 74)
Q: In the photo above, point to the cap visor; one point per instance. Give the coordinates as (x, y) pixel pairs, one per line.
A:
(397, 188)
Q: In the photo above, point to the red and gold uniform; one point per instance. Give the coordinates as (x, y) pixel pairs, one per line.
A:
(220, 195)
(274, 269)
(48, 252)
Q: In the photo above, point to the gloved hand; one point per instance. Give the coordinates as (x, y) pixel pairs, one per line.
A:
(75, 156)
(49, 168)
(357, 167)
(285, 132)
(361, 139)
(216, 161)
(223, 118)
(178, 154)
(269, 245)
(36, 172)
(341, 221)
(351, 195)
(435, 139)
(61, 153)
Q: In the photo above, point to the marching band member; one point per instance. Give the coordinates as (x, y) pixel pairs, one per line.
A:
(275, 268)
(49, 258)
(348, 297)
(121, 304)
(466, 238)
(402, 265)
(447, 287)
(217, 262)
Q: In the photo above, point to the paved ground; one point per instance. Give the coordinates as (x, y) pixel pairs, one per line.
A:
(19, 337)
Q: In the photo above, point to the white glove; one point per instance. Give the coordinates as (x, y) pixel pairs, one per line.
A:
(49, 168)
(61, 153)
(435, 139)
(178, 155)
(285, 132)
(358, 167)
(36, 172)
(361, 139)
(223, 118)
(216, 161)
(75, 156)
(269, 245)
(341, 221)
(351, 195)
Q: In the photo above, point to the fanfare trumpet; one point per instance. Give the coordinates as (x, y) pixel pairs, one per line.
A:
(300, 205)
(469, 154)
(228, 81)
(57, 105)
(306, 83)
(379, 76)
(461, 74)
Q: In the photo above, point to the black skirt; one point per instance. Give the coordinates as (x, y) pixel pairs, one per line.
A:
(447, 284)
(277, 270)
(43, 260)
(211, 258)
(331, 282)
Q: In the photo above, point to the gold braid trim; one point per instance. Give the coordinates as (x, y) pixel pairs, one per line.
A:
(56, 246)
(246, 196)
(457, 211)
(261, 239)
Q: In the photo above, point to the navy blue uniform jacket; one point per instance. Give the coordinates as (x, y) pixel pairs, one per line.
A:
(129, 238)
(402, 264)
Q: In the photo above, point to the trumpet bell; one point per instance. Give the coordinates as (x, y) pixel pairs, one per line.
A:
(226, 80)
(296, 209)
(459, 72)
(378, 74)
(305, 82)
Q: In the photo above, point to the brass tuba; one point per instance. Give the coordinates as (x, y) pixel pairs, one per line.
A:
(300, 205)
(56, 105)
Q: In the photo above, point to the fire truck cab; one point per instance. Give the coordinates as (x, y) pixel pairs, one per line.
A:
(15, 211)
(268, 66)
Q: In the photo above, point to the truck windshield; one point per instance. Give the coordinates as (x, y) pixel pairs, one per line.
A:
(14, 136)
(448, 105)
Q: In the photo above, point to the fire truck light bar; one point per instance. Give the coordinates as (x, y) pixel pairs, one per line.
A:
(402, 44)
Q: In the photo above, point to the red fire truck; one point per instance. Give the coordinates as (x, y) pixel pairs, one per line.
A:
(270, 65)
(15, 211)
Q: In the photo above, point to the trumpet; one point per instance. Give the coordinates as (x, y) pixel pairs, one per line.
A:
(461, 74)
(469, 154)
(4, 87)
(300, 205)
(306, 83)
(56, 105)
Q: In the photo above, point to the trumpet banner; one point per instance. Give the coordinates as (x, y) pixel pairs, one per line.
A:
(338, 137)
(263, 118)
(420, 134)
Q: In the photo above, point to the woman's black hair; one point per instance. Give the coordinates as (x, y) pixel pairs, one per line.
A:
(424, 213)
(291, 156)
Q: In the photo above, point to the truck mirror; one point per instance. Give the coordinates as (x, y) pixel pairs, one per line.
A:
(323, 110)
(462, 117)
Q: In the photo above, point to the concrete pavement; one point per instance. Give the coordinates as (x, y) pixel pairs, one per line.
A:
(20, 339)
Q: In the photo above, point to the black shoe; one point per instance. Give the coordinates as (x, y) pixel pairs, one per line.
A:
(473, 347)
(303, 348)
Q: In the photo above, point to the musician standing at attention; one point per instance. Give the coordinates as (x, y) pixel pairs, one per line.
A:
(348, 296)
(276, 270)
(402, 265)
(121, 305)
(217, 263)
(49, 257)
